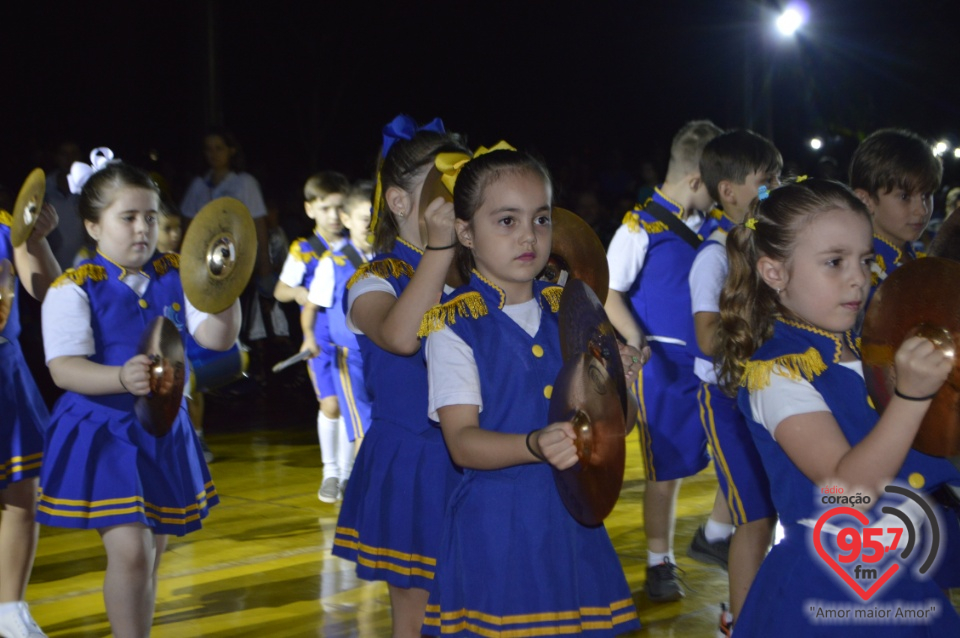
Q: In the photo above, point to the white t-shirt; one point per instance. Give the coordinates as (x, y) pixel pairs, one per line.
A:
(628, 251)
(452, 374)
(75, 336)
(324, 282)
(371, 284)
(242, 186)
(786, 397)
(707, 275)
(295, 268)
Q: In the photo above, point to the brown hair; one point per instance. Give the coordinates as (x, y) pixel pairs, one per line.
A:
(748, 306)
(734, 155)
(99, 191)
(324, 183)
(895, 158)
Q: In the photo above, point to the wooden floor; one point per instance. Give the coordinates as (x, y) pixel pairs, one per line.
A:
(261, 566)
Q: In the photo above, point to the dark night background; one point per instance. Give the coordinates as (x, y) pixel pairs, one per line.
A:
(596, 87)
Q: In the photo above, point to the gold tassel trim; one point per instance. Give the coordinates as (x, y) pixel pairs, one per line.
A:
(384, 269)
(808, 366)
(552, 295)
(80, 275)
(6, 219)
(169, 261)
(632, 221)
(470, 304)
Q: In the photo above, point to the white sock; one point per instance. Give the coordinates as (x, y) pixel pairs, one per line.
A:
(715, 531)
(327, 432)
(344, 451)
(656, 558)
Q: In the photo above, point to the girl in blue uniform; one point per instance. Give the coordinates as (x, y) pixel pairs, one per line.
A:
(799, 277)
(513, 561)
(23, 415)
(389, 522)
(102, 470)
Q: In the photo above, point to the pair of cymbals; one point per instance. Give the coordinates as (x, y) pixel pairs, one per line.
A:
(218, 254)
(26, 210)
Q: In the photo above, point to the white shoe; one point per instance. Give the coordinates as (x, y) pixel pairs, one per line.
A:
(16, 622)
(329, 490)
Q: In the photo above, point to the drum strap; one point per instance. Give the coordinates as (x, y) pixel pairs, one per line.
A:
(675, 224)
(353, 255)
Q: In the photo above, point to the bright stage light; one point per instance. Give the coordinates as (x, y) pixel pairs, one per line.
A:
(940, 148)
(789, 21)
(816, 143)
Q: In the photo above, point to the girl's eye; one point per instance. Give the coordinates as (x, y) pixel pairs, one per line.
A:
(507, 221)
(543, 220)
(868, 261)
(833, 263)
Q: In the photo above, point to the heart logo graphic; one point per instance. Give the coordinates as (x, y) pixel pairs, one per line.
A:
(865, 594)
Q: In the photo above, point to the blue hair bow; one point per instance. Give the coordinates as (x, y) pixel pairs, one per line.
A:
(403, 127)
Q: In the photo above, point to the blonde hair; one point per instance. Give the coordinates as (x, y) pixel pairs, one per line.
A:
(687, 147)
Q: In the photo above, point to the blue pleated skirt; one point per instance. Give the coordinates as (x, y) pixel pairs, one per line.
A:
(102, 468)
(23, 415)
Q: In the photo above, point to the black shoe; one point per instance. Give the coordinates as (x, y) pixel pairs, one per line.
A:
(663, 583)
(702, 550)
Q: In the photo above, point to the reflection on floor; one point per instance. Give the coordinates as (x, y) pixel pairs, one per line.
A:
(261, 566)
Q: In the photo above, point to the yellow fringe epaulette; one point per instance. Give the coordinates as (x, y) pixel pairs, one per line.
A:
(169, 261)
(806, 366)
(6, 219)
(384, 269)
(653, 228)
(469, 304)
(80, 275)
(297, 253)
(632, 221)
(552, 295)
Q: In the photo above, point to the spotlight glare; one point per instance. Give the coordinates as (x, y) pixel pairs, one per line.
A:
(789, 21)
(956, 152)
(816, 143)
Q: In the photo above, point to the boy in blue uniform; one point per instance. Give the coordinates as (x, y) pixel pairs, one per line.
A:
(327, 291)
(736, 166)
(650, 258)
(895, 173)
(323, 200)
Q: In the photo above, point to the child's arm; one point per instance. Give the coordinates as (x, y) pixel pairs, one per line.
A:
(293, 271)
(284, 293)
(815, 443)
(622, 319)
(392, 323)
(219, 331)
(473, 447)
(33, 259)
(79, 374)
(308, 318)
(706, 325)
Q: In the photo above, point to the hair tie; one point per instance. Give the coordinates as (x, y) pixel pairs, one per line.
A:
(801, 178)
(763, 192)
(402, 127)
(450, 164)
(80, 172)
(751, 223)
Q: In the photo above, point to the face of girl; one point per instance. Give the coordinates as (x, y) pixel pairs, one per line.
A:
(828, 275)
(217, 152)
(126, 232)
(169, 234)
(510, 234)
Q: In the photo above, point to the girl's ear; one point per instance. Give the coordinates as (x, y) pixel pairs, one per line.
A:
(464, 232)
(773, 273)
(398, 201)
(93, 229)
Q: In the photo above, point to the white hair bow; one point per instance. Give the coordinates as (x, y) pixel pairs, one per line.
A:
(80, 172)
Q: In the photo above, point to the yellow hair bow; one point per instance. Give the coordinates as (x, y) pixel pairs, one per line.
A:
(751, 223)
(450, 164)
(801, 178)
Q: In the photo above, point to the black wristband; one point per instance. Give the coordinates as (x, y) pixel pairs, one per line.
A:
(530, 447)
(903, 396)
(440, 247)
(120, 378)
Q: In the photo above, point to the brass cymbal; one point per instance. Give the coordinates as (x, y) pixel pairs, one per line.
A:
(919, 298)
(946, 243)
(158, 410)
(577, 252)
(8, 288)
(218, 254)
(27, 209)
(590, 391)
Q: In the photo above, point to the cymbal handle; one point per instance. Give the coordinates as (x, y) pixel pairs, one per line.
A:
(583, 429)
